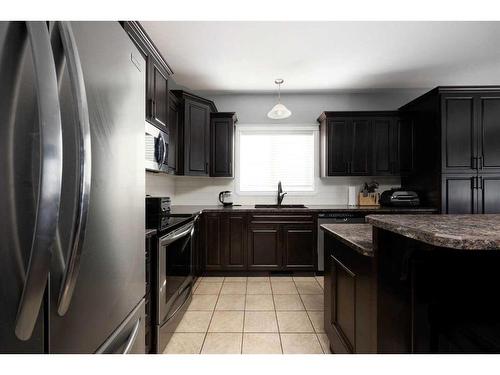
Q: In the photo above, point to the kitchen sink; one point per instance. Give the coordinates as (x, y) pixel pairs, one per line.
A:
(280, 206)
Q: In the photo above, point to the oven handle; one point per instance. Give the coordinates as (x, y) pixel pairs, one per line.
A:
(179, 233)
(183, 303)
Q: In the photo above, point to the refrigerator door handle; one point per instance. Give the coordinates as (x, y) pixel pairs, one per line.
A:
(85, 167)
(50, 179)
(132, 338)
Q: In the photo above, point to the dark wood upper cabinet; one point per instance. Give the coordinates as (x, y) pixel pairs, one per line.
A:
(386, 159)
(174, 156)
(457, 157)
(194, 133)
(359, 143)
(222, 144)
(335, 139)
(159, 95)
(458, 130)
(157, 76)
(405, 146)
(488, 136)
(360, 153)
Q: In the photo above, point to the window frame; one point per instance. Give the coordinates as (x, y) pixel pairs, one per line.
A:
(273, 128)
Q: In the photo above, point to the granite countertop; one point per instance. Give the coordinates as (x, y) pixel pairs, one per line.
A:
(356, 236)
(463, 232)
(195, 209)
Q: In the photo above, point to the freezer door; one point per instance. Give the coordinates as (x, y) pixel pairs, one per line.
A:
(30, 183)
(88, 305)
(128, 338)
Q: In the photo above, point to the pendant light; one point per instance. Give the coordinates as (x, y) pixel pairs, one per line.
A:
(279, 111)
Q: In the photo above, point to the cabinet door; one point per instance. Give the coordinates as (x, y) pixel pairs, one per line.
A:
(361, 150)
(158, 95)
(221, 134)
(406, 145)
(213, 242)
(235, 242)
(458, 134)
(174, 116)
(197, 141)
(337, 143)
(342, 310)
(489, 195)
(489, 133)
(385, 146)
(299, 247)
(264, 250)
(459, 194)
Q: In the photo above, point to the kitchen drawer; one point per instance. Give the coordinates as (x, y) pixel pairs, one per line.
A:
(282, 218)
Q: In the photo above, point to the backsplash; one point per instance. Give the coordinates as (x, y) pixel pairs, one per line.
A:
(203, 190)
(160, 184)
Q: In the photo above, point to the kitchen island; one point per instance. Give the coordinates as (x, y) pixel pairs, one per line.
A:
(429, 284)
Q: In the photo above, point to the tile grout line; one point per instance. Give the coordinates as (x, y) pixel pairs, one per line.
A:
(244, 314)
(276, 316)
(211, 317)
(308, 317)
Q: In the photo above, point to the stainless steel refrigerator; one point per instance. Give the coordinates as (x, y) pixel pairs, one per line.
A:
(72, 187)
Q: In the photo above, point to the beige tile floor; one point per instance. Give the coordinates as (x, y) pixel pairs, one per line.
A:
(253, 315)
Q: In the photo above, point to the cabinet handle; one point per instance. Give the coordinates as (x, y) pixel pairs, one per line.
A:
(480, 185)
(206, 167)
(480, 162)
(474, 162)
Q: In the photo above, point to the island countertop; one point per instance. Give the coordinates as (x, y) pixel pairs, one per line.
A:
(463, 232)
(356, 236)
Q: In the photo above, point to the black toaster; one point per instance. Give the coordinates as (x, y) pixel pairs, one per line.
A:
(399, 198)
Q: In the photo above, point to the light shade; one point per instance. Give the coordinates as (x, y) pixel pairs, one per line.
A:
(278, 112)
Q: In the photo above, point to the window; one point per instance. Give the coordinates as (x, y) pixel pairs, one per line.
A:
(267, 156)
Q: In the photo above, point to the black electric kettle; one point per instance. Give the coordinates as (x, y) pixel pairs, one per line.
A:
(225, 197)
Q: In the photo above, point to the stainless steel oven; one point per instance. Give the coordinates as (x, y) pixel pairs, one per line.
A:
(156, 149)
(175, 278)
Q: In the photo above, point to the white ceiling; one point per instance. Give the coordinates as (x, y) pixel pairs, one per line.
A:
(328, 56)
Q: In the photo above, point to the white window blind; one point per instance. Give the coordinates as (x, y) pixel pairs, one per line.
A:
(269, 156)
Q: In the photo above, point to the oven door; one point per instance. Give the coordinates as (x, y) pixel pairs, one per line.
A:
(156, 149)
(175, 271)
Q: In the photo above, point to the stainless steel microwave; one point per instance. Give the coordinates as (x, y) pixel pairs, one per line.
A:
(156, 147)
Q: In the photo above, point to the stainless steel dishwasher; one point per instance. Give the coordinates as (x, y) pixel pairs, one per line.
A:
(334, 218)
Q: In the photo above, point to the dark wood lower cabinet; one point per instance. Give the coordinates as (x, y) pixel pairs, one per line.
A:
(264, 250)
(489, 194)
(471, 194)
(235, 242)
(299, 247)
(225, 241)
(349, 318)
(213, 242)
(259, 242)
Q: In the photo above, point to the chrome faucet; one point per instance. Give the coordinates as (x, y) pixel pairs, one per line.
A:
(281, 194)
